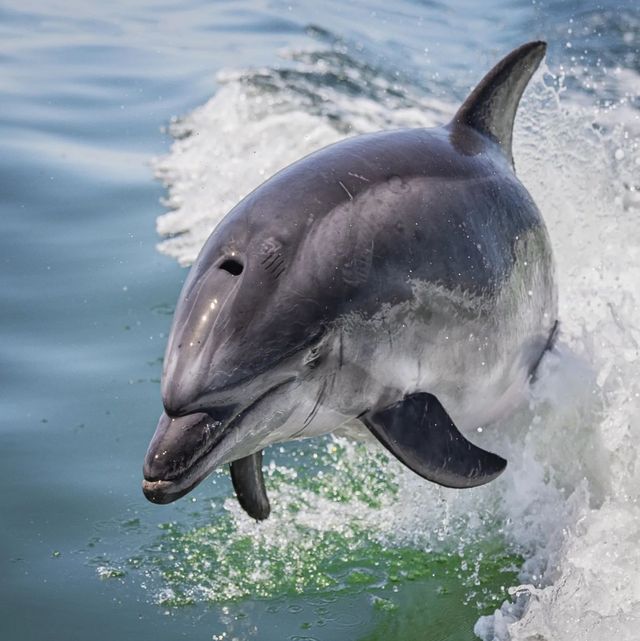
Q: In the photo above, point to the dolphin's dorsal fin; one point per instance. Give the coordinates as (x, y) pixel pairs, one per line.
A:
(491, 106)
(419, 433)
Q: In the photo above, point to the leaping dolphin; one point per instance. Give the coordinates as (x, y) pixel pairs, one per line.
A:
(400, 282)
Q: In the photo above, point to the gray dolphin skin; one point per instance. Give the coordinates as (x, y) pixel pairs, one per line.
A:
(399, 283)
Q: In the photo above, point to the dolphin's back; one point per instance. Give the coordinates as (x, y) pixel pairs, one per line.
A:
(409, 205)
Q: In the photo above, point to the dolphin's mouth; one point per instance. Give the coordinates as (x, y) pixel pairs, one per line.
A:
(182, 478)
(181, 482)
(163, 492)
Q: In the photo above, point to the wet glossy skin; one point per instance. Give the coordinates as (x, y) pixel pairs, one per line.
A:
(386, 263)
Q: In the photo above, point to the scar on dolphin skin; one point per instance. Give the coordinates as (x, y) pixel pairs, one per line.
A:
(352, 288)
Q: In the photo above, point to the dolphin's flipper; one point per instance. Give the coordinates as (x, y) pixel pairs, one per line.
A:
(420, 434)
(491, 106)
(248, 482)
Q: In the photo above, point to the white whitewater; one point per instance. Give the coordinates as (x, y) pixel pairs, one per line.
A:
(569, 499)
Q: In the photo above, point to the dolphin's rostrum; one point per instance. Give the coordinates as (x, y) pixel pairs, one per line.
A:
(400, 282)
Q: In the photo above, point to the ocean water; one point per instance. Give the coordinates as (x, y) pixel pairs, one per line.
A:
(128, 130)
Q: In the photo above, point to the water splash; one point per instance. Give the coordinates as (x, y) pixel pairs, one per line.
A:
(261, 121)
(334, 529)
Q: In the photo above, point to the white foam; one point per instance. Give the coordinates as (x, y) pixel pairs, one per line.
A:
(569, 499)
(256, 124)
(583, 563)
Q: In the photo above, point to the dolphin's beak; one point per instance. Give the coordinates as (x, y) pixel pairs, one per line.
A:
(185, 449)
(176, 460)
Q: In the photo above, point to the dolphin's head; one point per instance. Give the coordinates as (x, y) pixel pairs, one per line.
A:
(245, 338)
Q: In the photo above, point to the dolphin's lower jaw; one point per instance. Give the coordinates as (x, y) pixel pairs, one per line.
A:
(180, 480)
(163, 492)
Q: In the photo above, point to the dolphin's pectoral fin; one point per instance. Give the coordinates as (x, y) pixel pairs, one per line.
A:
(420, 434)
(248, 482)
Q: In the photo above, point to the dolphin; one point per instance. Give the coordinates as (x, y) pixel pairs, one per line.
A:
(399, 283)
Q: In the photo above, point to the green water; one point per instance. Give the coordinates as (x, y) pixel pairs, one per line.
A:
(310, 570)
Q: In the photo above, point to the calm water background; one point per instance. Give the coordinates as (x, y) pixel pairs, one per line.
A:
(85, 88)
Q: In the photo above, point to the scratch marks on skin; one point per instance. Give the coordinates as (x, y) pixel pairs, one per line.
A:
(274, 264)
(358, 176)
(356, 270)
(316, 406)
(314, 410)
(345, 189)
(273, 260)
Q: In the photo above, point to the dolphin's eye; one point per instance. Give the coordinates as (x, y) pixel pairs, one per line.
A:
(233, 266)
